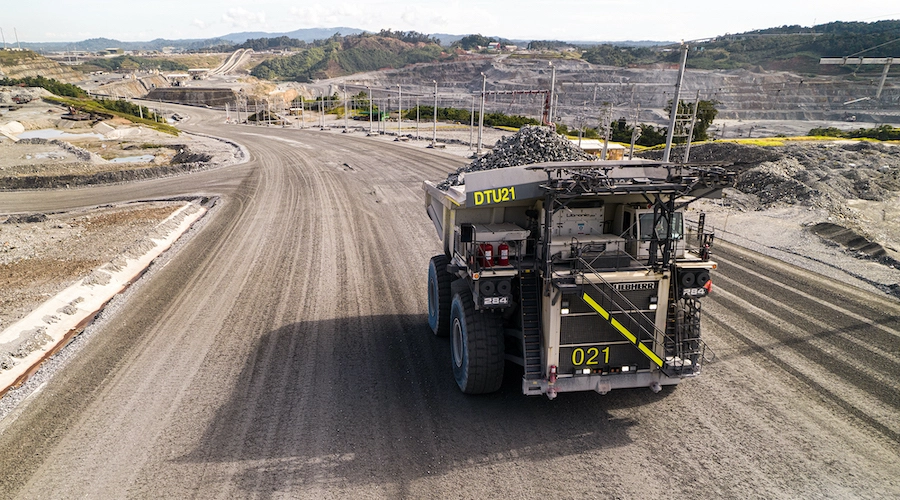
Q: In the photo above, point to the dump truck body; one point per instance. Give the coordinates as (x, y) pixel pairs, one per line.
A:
(580, 272)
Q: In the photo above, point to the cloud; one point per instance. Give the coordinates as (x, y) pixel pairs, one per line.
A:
(198, 23)
(317, 16)
(243, 18)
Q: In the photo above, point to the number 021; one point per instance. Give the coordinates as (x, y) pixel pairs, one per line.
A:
(580, 356)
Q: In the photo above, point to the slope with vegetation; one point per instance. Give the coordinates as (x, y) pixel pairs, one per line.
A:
(76, 98)
(344, 55)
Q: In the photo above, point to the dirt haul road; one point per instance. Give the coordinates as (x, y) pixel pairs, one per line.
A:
(284, 353)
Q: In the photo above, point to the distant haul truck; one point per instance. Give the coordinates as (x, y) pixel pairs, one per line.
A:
(580, 272)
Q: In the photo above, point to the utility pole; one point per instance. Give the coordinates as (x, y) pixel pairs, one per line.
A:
(346, 110)
(635, 132)
(481, 113)
(674, 113)
(552, 89)
(400, 108)
(417, 118)
(690, 137)
(472, 124)
(434, 130)
(606, 127)
(369, 95)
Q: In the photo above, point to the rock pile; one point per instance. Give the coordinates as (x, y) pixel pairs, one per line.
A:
(528, 145)
(818, 174)
(727, 152)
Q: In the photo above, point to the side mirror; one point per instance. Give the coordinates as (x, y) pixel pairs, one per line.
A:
(467, 233)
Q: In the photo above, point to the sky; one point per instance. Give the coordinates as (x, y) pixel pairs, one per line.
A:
(571, 20)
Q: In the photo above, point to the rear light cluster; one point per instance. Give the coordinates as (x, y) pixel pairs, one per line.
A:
(611, 370)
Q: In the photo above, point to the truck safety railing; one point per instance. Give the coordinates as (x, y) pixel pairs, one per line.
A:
(684, 352)
(643, 177)
(698, 238)
(600, 255)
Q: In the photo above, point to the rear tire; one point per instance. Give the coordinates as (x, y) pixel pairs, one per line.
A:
(439, 295)
(476, 344)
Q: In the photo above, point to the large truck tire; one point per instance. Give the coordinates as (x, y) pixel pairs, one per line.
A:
(476, 344)
(439, 295)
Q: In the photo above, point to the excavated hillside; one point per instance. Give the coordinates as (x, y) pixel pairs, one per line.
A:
(24, 63)
(584, 89)
(129, 86)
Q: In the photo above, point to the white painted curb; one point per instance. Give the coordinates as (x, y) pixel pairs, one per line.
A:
(69, 311)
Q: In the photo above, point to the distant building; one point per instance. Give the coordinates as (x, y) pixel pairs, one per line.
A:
(178, 79)
(198, 73)
(614, 150)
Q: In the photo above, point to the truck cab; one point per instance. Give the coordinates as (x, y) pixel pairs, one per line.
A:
(635, 223)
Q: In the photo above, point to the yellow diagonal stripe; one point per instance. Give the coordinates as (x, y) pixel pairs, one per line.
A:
(587, 298)
(624, 331)
(621, 328)
(650, 354)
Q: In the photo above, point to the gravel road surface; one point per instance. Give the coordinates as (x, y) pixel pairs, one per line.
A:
(284, 352)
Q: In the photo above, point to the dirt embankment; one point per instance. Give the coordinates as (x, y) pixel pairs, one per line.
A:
(41, 254)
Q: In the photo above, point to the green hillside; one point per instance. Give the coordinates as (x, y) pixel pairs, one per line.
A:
(794, 48)
(346, 55)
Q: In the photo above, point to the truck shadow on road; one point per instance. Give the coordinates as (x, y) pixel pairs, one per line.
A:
(372, 400)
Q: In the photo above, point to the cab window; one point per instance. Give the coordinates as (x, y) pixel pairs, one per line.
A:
(646, 225)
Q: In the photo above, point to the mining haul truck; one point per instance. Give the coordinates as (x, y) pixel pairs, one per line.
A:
(580, 272)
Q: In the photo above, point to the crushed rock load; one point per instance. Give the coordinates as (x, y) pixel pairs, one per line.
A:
(531, 144)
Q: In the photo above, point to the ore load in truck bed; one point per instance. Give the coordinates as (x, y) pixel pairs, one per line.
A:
(527, 146)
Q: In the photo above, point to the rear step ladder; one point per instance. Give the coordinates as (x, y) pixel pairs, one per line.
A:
(531, 325)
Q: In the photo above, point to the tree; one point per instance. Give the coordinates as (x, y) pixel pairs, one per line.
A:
(548, 45)
(470, 42)
(651, 136)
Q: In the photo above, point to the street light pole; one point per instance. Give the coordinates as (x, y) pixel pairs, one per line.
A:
(346, 110)
(369, 96)
(673, 115)
(481, 113)
(472, 124)
(552, 88)
(434, 130)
